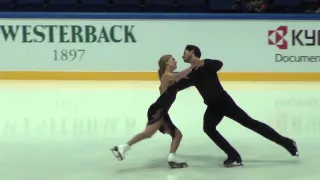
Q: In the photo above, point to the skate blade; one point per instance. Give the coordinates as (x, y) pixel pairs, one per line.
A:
(174, 165)
(235, 164)
(116, 153)
(297, 153)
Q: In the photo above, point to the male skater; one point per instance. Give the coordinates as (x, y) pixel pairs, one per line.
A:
(220, 104)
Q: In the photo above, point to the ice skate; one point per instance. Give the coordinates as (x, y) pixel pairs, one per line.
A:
(233, 161)
(120, 151)
(293, 148)
(175, 162)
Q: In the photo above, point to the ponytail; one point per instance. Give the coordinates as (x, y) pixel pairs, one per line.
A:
(161, 72)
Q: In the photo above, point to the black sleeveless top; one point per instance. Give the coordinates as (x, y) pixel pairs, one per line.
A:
(168, 97)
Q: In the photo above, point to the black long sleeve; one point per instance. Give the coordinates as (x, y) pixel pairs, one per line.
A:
(184, 83)
(214, 65)
(206, 80)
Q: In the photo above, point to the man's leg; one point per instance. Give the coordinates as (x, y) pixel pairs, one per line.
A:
(212, 118)
(233, 111)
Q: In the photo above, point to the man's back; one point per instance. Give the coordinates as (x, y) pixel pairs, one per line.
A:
(207, 81)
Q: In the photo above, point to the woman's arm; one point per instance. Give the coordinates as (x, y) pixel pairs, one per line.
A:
(179, 75)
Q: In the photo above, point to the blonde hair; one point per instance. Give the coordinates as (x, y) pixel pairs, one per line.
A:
(162, 63)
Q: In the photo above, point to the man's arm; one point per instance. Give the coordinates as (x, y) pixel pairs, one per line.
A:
(215, 65)
(184, 84)
(177, 76)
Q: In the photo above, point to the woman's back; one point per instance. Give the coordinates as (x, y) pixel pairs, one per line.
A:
(165, 82)
(168, 93)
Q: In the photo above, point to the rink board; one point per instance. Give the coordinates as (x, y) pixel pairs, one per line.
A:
(152, 76)
(112, 46)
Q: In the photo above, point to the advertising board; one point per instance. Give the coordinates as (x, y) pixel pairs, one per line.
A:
(127, 46)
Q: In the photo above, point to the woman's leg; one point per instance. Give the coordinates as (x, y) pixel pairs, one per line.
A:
(169, 128)
(121, 150)
(176, 139)
(147, 133)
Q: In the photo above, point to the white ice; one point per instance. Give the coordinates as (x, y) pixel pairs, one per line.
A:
(63, 130)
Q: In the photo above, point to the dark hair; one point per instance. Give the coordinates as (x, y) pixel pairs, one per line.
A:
(162, 63)
(195, 49)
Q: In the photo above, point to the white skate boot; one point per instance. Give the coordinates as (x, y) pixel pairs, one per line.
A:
(175, 162)
(120, 151)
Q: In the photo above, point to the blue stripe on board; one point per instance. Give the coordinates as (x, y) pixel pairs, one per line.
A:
(44, 15)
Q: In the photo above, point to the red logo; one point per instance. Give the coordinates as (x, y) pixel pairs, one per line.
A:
(277, 37)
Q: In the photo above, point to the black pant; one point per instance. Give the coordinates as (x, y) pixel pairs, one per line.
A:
(225, 106)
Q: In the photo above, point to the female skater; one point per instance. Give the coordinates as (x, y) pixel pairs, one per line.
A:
(158, 117)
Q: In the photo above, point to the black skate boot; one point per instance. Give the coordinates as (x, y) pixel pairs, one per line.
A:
(233, 161)
(292, 148)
